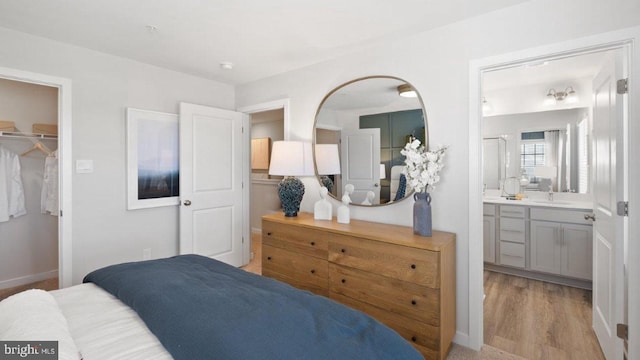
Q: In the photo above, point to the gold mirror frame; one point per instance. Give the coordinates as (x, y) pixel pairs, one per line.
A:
(399, 83)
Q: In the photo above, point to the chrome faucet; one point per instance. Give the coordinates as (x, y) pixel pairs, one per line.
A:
(550, 194)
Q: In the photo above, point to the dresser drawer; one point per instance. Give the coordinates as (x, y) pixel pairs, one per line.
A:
(512, 254)
(298, 270)
(512, 230)
(512, 211)
(295, 238)
(395, 261)
(425, 337)
(399, 297)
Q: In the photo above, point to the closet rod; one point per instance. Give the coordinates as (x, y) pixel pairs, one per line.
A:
(26, 135)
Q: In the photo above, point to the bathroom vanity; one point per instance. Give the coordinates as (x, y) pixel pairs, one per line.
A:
(539, 239)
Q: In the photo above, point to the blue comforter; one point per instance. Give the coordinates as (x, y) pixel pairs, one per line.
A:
(200, 308)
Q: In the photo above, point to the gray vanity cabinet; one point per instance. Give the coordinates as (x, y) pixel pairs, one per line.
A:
(489, 233)
(513, 236)
(561, 243)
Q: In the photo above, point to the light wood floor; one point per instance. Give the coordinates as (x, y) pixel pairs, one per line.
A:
(49, 284)
(538, 320)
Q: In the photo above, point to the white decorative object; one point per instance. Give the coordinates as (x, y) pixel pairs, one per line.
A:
(322, 208)
(344, 216)
(368, 200)
(422, 167)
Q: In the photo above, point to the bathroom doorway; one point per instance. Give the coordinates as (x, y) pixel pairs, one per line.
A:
(541, 101)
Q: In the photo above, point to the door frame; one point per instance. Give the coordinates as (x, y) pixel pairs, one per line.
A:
(283, 104)
(616, 39)
(65, 176)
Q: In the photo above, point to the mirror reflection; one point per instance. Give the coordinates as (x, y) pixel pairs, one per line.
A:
(360, 128)
(539, 123)
(547, 150)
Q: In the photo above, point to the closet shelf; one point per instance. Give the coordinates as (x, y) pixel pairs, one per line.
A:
(27, 135)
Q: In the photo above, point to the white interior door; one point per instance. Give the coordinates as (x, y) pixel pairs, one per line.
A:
(608, 228)
(360, 158)
(211, 176)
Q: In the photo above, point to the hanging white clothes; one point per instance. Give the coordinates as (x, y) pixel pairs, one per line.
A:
(49, 195)
(11, 189)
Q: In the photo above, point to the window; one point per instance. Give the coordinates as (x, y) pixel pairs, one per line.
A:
(531, 153)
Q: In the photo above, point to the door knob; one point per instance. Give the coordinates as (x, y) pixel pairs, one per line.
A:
(375, 185)
(591, 217)
(187, 203)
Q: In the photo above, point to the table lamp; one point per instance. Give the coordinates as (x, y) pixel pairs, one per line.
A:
(327, 163)
(291, 159)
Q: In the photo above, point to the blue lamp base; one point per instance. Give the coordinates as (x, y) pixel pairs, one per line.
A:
(290, 191)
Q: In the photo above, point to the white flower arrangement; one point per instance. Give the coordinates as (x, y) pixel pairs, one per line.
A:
(422, 167)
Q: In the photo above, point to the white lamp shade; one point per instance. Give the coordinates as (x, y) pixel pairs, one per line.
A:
(327, 159)
(383, 172)
(291, 158)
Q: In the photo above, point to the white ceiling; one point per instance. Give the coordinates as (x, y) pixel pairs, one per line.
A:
(261, 37)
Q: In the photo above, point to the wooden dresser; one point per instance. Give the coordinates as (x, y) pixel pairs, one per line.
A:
(404, 280)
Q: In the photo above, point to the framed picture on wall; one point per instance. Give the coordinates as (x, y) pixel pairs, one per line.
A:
(153, 177)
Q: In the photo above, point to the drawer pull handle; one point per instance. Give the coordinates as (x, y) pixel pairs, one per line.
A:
(313, 271)
(344, 280)
(413, 266)
(511, 231)
(413, 302)
(343, 250)
(414, 339)
(268, 234)
(268, 257)
(313, 243)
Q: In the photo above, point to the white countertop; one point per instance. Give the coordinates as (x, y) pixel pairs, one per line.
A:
(560, 203)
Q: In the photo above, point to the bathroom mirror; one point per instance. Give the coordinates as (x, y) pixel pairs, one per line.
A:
(360, 128)
(550, 150)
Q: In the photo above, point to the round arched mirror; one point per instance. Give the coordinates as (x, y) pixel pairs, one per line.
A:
(360, 128)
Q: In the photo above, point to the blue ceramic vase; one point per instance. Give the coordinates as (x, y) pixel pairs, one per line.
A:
(422, 214)
(291, 191)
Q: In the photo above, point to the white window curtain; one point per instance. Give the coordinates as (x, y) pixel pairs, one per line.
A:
(556, 156)
(552, 153)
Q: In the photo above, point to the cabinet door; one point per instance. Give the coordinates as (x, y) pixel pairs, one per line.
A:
(489, 238)
(577, 251)
(545, 247)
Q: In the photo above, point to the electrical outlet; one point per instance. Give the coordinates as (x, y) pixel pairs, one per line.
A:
(146, 254)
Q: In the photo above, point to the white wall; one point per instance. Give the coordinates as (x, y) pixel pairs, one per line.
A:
(437, 64)
(104, 232)
(531, 98)
(29, 243)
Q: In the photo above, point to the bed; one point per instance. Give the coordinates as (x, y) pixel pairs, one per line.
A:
(193, 307)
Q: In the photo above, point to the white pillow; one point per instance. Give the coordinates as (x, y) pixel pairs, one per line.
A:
(34, 315)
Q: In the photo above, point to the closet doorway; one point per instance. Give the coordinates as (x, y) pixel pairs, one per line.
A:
(269, 122)
(35, 239)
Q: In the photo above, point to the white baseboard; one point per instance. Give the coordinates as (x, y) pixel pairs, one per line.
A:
(461, 339)
(24, 280)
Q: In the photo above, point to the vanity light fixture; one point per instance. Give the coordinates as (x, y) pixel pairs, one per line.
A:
(405, 90)
(554, 96)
